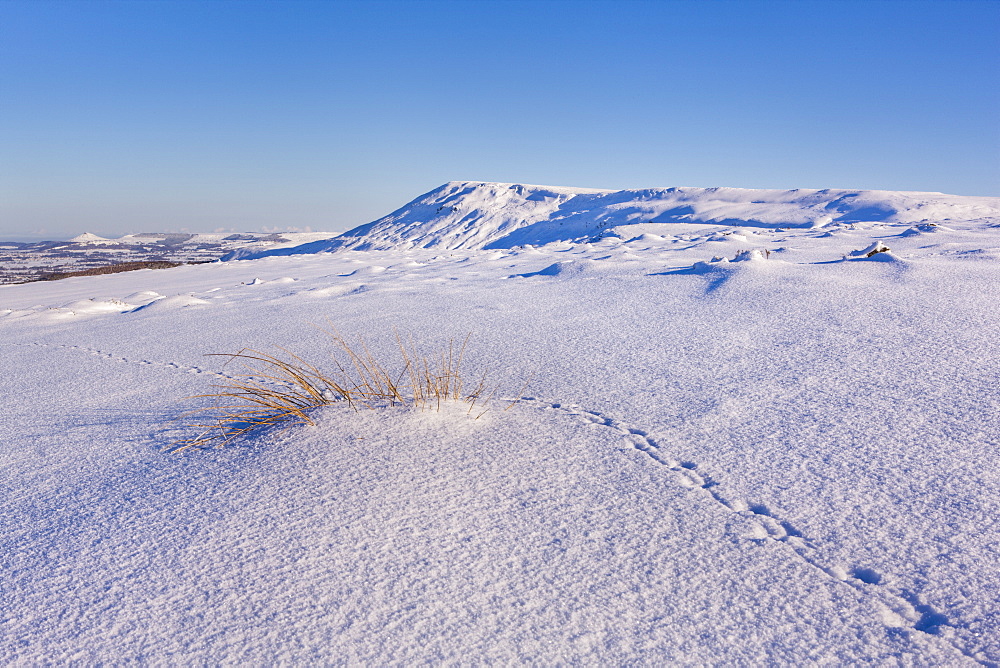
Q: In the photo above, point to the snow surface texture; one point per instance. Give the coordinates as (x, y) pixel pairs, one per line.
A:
(790, 458)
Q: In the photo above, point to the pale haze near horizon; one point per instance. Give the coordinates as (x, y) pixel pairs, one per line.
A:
(172, 116)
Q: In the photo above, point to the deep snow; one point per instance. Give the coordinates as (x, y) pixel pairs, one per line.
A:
(788, 459)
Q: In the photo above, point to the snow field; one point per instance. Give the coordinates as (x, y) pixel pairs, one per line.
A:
(785, 460)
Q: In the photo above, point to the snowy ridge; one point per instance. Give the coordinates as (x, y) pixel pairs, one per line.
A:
(467, 215)
(278, 239)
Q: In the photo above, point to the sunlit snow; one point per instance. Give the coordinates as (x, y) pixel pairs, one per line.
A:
(760, 428)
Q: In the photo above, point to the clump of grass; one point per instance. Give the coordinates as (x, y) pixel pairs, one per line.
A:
(283, 388)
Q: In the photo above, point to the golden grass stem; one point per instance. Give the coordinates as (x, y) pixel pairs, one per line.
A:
(282, 389)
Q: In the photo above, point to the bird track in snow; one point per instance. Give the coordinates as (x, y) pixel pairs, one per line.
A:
(901, 609)
(146, 362)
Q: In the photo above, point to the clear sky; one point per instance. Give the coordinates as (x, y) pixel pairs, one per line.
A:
(120, 117)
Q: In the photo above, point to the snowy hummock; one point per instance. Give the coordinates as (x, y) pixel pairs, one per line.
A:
(785, 459)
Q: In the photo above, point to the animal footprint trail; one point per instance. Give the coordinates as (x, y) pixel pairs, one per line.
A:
(900, 609)
(143, 362)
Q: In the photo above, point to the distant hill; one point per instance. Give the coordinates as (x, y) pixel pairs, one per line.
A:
(30, 261)
(470, 215)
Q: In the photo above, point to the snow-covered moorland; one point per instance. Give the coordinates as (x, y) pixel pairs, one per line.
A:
(790, 458)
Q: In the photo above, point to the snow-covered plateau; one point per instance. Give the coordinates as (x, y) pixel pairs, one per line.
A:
(759, 427)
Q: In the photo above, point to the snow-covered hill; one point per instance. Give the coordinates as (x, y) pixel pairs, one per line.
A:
(789, 459)
(466, 215)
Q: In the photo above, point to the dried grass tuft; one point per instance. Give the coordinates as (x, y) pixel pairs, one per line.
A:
(283, 388)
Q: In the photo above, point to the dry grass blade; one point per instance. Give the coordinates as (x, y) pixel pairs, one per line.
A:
(249, 404)
(276, 390)
(520, 393)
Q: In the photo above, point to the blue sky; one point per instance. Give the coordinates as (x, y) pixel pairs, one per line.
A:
(120, 117)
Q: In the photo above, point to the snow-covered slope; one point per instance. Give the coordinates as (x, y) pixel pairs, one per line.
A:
(740, 445)
(465, 215)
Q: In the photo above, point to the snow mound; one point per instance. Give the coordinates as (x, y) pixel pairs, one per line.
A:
(93, 307)
(175, 302)
(755, 255)
(563, 269)
(877, 252)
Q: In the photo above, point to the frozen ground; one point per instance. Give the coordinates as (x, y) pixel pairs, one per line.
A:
(789, 459)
